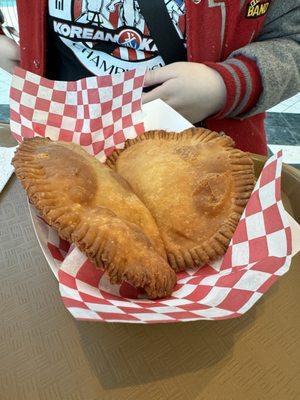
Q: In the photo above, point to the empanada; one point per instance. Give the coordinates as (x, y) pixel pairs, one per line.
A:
(93, 207)
(195, 184)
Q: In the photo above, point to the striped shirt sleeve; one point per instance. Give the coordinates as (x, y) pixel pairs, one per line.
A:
(243, 84)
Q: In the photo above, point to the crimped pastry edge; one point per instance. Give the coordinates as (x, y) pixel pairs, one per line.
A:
(242, 170)
(33, 171)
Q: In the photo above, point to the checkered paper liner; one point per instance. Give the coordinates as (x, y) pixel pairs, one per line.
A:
(99, 113)
(260, 250)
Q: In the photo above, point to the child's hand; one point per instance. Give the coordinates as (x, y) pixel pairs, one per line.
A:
(10, 53)
(194, 90)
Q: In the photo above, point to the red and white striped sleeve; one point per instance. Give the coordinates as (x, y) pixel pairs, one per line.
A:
(243, 83)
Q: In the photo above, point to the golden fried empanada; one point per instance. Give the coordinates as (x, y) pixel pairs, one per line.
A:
(195, 184)
(93, 207)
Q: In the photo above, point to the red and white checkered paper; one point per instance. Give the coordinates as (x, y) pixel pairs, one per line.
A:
(98, 112)
(260, 250)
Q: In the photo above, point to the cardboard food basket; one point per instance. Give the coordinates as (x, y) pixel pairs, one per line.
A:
(100, 114)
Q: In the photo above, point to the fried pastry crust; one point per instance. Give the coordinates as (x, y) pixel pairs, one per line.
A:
(195, 184)
(92, 206)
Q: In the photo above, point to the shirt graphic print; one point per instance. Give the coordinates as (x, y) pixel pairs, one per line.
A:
(110, 36)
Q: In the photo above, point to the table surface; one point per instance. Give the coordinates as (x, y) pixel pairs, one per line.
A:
(45, 354)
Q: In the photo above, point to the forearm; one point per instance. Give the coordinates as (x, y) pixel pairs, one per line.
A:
(278, 62)
(243, 85)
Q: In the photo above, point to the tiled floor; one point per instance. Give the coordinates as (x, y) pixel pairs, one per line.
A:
(291, 106)
(282, 123)
(283, 132)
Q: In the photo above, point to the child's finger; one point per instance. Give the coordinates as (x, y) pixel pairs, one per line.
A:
(157, 93)
(158, 76)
